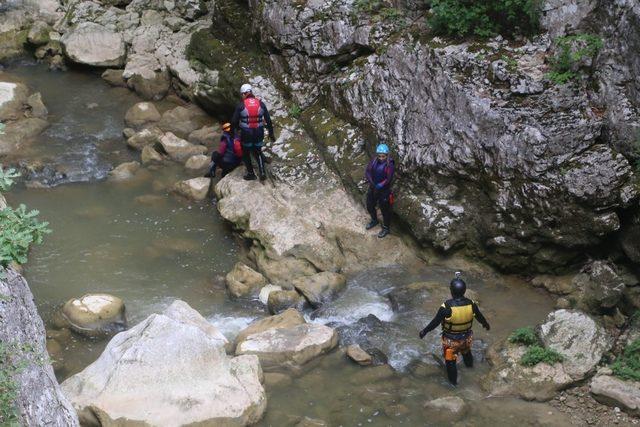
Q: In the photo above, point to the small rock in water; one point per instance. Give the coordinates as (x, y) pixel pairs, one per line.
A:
(265, 291)
(92, 105)
(358, 355)
(95, 314)
(243, 280)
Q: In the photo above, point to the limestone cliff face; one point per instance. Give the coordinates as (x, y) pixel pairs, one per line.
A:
(39, 398)
(493, 157)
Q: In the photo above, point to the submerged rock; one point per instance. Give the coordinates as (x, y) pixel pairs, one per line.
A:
(95, 314)
(321, 287)
(450, 407)
(358, 355)
(150, 155)
(244, 281)
(124, 171)
(289, 347)
(141, 114)
(195, 189)
(170, 369)
(613, 391)
(93, 44)
(114, 78)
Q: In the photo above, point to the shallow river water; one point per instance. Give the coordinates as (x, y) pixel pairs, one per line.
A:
(138, 242)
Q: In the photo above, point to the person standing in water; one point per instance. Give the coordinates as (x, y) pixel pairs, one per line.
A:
(248, 122)
(456, 317)
(379, 174)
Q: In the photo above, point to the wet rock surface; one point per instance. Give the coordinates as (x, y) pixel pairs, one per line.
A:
(179, 357)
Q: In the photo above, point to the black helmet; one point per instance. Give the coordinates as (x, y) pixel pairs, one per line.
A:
(457, 286)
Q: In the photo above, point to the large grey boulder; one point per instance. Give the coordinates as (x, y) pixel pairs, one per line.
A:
(144, 138)
(181, 121)
(171, 369)
(575, 335)
(289, 347)
(579, 338)
(599, 287)
(39, 399)
(93, 44)
(613, 391)
(147, 77)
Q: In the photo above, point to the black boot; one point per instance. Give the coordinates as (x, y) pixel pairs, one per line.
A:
(212, 172)
(250, 176)
(384, 232)
(452, 372)
(468, 359)
(246, 158)
(372, 224)
(261, 169)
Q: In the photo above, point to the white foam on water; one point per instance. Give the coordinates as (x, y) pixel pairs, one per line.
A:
(354, 304)
(230, 326)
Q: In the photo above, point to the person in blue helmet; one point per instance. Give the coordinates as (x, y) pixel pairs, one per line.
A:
(380, 177)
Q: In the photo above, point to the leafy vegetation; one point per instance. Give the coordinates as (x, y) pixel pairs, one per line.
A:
(572, 53)
(487, 18)
(538, 354)
(295, 111)
(525, 336)
(7, 178)
(627, 366)
(19, 229)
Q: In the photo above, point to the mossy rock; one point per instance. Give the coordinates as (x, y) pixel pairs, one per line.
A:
(12, 44)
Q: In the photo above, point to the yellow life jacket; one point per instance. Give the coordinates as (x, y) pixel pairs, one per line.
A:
(461, 319)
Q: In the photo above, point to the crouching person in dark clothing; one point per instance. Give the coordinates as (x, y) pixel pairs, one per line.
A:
(229, 154)
(380, 176)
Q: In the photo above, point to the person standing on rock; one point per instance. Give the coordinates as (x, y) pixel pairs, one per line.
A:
(249, 120)
(380, 176)
(456, 317)
(229, 154)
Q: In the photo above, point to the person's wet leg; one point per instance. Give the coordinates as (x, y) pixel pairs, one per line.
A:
(371, 208)
(468, 359)
(452, 371)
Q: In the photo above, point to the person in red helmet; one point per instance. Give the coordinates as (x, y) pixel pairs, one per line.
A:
(249, 121)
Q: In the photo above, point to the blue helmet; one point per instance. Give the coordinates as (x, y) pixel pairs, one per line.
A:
(382, 149)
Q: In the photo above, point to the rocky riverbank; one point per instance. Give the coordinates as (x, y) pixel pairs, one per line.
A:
(497, 162)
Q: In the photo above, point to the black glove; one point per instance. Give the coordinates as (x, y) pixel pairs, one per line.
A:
(422, 333)
(487, 327)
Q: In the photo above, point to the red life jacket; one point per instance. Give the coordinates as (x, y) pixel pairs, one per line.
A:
(251, 116)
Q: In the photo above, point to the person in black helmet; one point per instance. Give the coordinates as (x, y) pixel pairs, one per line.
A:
(456, 317)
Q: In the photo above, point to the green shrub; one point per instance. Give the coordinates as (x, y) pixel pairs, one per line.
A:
(627, 366)
(538, 354)
(19, 229)
(487, 18)
(526, 336)
(571, 52)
